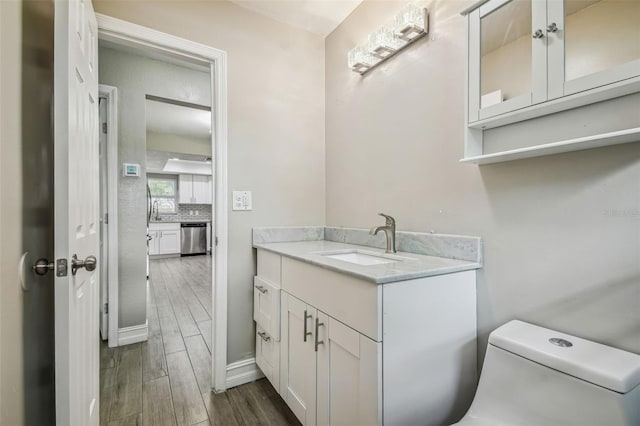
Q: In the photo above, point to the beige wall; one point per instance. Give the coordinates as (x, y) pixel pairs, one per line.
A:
(561, 233)
(11, 353)
(276, 126)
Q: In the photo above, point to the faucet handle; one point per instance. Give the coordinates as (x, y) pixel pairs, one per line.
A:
(390, 219)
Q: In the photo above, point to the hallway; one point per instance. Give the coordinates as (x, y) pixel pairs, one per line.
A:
(166, 380)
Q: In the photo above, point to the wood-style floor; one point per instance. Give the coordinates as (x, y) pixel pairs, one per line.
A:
(166, 380)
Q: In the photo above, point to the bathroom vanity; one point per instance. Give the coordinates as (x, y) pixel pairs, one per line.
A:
(350, 335)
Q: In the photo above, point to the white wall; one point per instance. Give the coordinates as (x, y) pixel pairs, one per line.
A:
(135, 77)
(561, 233)
(178, 143)
(276, 126)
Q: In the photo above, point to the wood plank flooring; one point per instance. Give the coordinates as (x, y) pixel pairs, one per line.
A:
(166, 380)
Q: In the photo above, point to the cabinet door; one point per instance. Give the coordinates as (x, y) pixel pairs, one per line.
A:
(298, 359)
(507, 57)
(349, 375)
(201, 189)
(185, 189)
(169, 242)
(153, 242)
(592, 44)
(268, 356)
(266, 306)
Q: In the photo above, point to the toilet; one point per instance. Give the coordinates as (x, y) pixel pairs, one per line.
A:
(536, 376)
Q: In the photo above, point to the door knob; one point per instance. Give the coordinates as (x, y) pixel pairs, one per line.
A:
(552, 28)
(42, 266)
(89, 264)
(538, 34)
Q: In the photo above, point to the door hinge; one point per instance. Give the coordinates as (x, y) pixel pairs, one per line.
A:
(61, 268)
(104, 127)
(106, 218)
(106, 308)
(216, 241)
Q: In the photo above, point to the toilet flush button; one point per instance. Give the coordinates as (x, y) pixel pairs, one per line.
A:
(560, 342)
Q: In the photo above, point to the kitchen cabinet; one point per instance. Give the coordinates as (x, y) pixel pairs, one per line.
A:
(194, 189)
(340, 363)
(528, 59)
(165, 238)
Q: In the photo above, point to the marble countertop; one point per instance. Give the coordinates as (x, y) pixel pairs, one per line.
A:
(414, 266)
(182, 221)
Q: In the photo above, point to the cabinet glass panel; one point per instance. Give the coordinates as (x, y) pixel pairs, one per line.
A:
(505, 53)
(599, 35)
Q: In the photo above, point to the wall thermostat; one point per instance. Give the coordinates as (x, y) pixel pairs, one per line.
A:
(131, 170)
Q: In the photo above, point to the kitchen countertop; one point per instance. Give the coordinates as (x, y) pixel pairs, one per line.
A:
(415, 266)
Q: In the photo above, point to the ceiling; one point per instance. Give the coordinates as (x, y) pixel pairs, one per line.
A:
(317, 16)
(163, 117)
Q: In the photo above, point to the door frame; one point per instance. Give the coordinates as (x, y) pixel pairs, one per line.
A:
(110, 93)
(127, 33)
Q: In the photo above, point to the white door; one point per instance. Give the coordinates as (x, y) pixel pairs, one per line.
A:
(349, 376)
(104, 228)
(298, 358)
(77, 226)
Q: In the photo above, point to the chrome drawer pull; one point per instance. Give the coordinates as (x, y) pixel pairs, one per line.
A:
(306, 333)
(318, 342)
(264, 336)
(261, 289)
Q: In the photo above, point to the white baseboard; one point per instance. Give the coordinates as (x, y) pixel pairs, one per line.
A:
(134, 334)
(241, 372)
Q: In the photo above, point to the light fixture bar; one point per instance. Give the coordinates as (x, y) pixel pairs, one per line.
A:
(411, 25)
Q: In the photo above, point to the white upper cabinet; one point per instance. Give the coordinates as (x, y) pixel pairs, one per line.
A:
(529, 59)
(525, 52)
(195, 189)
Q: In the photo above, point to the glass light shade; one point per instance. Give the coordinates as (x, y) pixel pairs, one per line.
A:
(359, 59)
(383, 42)
(410, 22)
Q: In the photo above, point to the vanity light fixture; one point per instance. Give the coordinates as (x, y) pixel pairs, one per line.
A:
(411, 24)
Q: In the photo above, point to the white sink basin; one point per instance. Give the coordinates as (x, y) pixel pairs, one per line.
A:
(360, 257)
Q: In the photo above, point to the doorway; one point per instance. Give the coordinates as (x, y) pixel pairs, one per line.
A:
(130, 36)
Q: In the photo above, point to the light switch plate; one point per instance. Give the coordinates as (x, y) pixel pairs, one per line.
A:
(241, 200)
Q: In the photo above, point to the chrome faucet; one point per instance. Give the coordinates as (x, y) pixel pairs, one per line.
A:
(390, 231)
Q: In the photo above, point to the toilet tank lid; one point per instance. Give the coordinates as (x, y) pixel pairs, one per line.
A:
(599, 364)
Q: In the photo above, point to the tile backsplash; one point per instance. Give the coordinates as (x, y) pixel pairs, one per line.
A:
(203, 213)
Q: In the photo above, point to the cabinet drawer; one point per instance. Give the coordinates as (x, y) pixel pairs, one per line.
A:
(268, 356)
(172, 226)
(354, 302)
(269, 267)
(266, 306)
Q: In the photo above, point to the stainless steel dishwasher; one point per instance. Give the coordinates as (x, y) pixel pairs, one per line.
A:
(194, 238)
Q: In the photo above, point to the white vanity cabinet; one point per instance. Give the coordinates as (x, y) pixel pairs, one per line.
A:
(194, 189)
(165, 238)
(353, 352)
(266, 314)
(533, 58)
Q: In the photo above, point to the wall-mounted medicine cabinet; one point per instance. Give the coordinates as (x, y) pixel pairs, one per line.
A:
(548, 76)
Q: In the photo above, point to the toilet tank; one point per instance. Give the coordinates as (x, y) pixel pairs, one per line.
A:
(535, 376)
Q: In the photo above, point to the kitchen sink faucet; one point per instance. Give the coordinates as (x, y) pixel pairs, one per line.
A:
(390, 231)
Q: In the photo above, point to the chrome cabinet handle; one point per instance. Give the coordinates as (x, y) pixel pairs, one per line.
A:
(306, 317)
(264, 336)
(552, 28)
(318, 342)
(538, 34)
(89, 264)
(261, 289)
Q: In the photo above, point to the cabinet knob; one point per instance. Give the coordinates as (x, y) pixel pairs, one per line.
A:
(538, 34)
(552, 28)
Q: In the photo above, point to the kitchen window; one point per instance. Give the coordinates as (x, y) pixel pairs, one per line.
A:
(164, 191)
